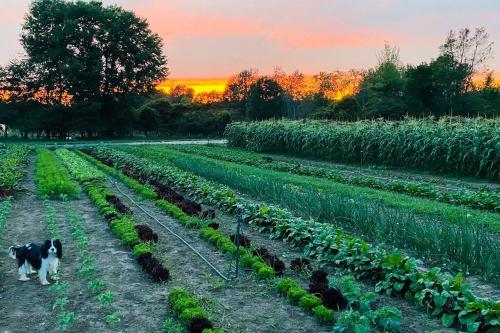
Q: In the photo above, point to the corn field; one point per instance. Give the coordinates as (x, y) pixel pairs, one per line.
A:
(469, 147)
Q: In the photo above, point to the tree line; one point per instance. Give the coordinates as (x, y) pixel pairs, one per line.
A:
(91, 70)
(445, 86)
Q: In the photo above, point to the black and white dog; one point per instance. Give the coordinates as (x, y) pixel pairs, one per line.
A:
(32, 257)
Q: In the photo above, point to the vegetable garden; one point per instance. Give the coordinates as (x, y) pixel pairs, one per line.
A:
(214, 239)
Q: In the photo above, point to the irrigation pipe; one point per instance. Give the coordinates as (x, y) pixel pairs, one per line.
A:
(221, 275)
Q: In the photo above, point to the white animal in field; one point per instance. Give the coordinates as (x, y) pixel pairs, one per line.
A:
(3, 129)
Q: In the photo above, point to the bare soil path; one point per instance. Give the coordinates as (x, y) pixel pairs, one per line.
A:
(139, 302)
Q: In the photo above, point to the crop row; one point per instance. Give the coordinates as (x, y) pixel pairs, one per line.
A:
(122, 224)
(263, 264)
(360, 316)
(189, 311)
(448, 235)
(88, 269)
(446, 297)
(13, 161)
(465, 147)
(483, 199)
(52, 179)
(193, 316)
(207, 232)
(5, 209)
(60, 288)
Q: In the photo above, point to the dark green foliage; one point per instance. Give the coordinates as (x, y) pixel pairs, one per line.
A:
(123, 226)
(380, 93)
(77, 48)
(461, 146)
(486, 199)
(160, 117)
(13, 161)
(265, 100)
(189, 311)
(79, 69)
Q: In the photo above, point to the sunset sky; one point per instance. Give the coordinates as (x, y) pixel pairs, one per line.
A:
(216, 38)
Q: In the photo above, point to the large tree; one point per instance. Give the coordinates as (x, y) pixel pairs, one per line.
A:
(470, 49)
(84, 51)
(381, 92)
(85, 63)
(238, 89)
(265, 100)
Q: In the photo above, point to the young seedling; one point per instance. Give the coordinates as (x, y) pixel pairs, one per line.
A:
(60, 303)
(66, 320)
(96, 285)
(113, 319)
(106, 298)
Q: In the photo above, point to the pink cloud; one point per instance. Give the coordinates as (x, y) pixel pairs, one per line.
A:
(174, 22)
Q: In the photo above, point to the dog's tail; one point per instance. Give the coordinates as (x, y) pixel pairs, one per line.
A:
(13, 252)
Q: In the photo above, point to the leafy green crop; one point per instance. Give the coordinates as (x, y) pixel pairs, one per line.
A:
(420, 225)
(12, 165)
(186, 307)
(52, 179)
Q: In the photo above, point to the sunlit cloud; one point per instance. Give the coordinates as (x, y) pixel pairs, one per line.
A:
(217, 38)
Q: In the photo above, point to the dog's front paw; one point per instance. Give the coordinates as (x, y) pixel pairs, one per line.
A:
(23, 279)
(45, 283)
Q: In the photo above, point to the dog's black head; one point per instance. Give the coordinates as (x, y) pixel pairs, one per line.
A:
(51, 247)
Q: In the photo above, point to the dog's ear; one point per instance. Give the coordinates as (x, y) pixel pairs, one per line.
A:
(45, 248)
(58, 245)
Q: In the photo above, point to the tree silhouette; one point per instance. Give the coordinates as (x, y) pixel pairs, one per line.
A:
(265, 100)
(85, 51)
